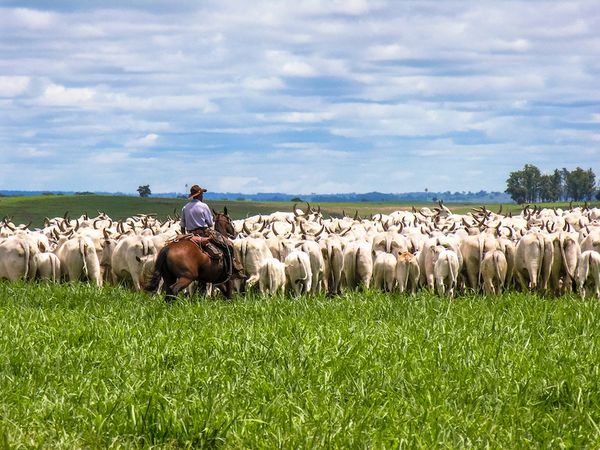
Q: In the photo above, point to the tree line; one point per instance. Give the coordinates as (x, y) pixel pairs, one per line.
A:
(530, 185)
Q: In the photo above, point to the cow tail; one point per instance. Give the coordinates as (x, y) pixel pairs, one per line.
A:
(408, 268)
(480, 241)
(304, 271)
(159, 267)
(497, 268)
(82, 248)
(564, 258)
(354, 268)
(542, 243)
(452, 274)
(27, 251)
(271, 286)
(53, 265)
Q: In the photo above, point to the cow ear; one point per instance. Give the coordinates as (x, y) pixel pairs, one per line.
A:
(41, 247)
(138, 259)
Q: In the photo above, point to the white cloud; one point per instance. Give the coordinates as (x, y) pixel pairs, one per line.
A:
(57, 95)
(12, 86)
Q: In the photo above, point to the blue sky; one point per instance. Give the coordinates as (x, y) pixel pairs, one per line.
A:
(295, 96)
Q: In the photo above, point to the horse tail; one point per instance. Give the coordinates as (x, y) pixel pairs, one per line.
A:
(159, 266)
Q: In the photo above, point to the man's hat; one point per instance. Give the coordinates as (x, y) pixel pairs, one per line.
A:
(196, 191)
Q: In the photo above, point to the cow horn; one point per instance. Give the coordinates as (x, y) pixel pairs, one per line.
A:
(105, 232)
(66, 215)
(499, 210)
(571, 205)
(274, 229)
(320, 231)
(566, 227)
(356, 216)
(414, 210)
(76, 225)
(401, 227)
(245, 228)
(293, 230)
(264, 225)
(318, 209)
(385, 226)
(510, 232)
(343, 213)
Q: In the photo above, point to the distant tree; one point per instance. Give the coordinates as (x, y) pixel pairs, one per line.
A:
(598, 193)
(296, 200)
(144, 190)
(580, 184)
(551, 187)
(524, 185)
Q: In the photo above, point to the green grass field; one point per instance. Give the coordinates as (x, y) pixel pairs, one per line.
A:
(87, 368)
(35, 208)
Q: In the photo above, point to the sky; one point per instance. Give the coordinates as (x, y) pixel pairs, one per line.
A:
(295, 96)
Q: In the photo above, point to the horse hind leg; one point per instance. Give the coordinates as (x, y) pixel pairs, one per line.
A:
(180, 285)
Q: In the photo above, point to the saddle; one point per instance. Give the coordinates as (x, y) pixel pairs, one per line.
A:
(208, 245)
(218, 248)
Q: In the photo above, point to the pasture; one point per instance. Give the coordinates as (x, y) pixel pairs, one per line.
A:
(35, 208)
(98, 368)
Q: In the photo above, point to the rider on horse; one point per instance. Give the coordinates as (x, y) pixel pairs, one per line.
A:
(197, 219)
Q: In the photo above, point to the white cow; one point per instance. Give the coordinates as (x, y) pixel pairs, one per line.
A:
(133, 259)
(333, 257)
(358, 264)
(384, 271)
(272, 277)
(252, 253)
(17, 258)
(588, 267)
(529, 260)
(493, 272)
(317, 264)
(298, 272)
(407, 272)
(446, 271)
(78, 259)
(47, 266)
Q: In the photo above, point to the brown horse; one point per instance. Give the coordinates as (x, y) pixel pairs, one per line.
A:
(182, 261)
(223, 223)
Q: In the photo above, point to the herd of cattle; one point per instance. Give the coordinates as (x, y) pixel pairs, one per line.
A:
(552, 251)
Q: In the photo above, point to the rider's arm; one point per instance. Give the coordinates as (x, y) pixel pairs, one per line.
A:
(182, 223)
(208, 217)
